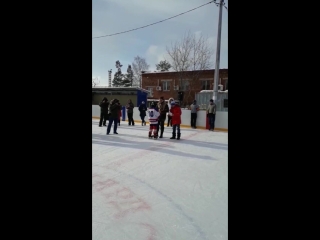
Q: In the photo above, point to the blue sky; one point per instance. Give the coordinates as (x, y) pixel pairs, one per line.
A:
(112, 16)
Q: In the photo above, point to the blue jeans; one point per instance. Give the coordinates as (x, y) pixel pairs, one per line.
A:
(115, 121)
(174, 127)
(212, 118)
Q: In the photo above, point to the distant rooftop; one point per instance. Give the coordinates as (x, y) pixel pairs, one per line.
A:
(148, 72)
(112, 89)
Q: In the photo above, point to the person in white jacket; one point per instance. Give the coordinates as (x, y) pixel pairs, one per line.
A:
(153, 116)
(169, 117)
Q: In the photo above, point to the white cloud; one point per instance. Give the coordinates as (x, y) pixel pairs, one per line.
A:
(154, 55)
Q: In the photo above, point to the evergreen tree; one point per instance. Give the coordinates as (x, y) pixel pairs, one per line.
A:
(118, 76)
(117, 79)
(163, 66)
(128, 77)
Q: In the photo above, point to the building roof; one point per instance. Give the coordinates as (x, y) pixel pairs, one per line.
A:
(172, 72)
(117, 89)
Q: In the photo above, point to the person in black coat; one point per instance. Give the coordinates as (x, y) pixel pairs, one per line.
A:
(104, 105)
(163, 109)
(142, 110)
(114, 115)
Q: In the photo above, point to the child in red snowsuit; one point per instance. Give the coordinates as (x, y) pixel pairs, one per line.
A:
(175, 112)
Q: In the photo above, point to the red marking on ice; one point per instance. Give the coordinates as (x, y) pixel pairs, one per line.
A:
(124, 190)
(123, 199)
(124, 208)
(151, 229)
(105, 184)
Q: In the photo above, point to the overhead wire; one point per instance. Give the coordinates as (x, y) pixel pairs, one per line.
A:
(109, 35)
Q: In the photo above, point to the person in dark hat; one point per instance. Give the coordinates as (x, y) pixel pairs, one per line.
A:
(104, 114)
(211, 114)
(130, 108)
(194, 107)
(142, 110)
(163, 109)
(114, 115)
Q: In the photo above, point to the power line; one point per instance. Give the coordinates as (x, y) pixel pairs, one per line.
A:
(152, 23)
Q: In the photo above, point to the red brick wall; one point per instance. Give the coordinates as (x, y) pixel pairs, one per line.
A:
(154, 80)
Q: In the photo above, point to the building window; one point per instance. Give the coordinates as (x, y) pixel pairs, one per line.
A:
(166, 85)
(205, 84)
(151, 91)
(185, 85)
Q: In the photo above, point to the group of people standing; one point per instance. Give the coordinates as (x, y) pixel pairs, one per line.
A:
(156, 114)
(157, 117)
(105, 112)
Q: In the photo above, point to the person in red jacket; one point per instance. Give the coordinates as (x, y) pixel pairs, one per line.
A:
(175, 112)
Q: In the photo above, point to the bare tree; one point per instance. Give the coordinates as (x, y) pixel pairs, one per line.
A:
(188, 57)
(95, 81)
(139, 64)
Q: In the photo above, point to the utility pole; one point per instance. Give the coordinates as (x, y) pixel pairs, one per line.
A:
(109, 83)
(216, 72)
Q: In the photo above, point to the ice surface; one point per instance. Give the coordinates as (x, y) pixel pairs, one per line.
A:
(145, 189)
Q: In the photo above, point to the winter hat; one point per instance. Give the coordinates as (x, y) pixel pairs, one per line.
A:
(211, 100)
(173, 103)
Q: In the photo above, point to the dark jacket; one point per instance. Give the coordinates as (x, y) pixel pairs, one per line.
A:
(163, 109)
(130, 107)
(142, 109)
(104, 106)
(114, 110)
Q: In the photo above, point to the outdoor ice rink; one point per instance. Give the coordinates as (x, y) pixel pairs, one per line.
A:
(145, 189)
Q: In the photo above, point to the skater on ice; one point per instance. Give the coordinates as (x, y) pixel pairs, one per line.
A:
(153, 116)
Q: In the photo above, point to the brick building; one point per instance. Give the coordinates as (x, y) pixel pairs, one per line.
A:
(168, 84)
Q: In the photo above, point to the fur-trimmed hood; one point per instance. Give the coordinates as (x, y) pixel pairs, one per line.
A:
(169, 102)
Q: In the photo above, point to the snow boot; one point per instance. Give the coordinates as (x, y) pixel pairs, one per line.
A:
(161, 134)
(178, 137)
(173, 136)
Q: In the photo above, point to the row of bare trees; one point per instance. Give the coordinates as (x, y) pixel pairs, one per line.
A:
(188, 57)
